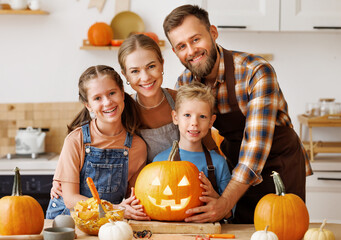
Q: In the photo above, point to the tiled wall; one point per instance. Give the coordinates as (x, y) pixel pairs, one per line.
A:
(54, 116)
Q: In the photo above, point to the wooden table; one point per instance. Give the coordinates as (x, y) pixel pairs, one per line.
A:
(324, 121)
(241, 231)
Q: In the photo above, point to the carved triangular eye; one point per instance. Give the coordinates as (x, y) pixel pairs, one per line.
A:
(184, 182)
(156, 182)
(167, 191)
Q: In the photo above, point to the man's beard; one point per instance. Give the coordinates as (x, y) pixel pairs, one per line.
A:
(203, 69)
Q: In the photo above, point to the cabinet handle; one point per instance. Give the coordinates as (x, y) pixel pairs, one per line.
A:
(227, 26)
(329, 179)
(325, 27)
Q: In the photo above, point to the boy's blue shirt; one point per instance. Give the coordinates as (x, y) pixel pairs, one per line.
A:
(222, 173)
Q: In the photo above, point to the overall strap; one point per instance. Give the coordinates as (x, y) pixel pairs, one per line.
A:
(86, 133)
(169, 98)
(128, 141)
(210, 169)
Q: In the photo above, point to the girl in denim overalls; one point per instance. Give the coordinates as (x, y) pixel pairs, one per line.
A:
(103, 148)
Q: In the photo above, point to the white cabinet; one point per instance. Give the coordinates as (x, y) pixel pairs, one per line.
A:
(323, 190)
(310, 15)
(275, 15)
(252, 15)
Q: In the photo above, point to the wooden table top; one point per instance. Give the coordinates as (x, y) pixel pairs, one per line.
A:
(241, 231)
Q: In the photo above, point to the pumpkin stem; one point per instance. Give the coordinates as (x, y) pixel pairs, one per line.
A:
(17, 190)
(266, 228)
(322, 225)
(280, 189)
(174, 154)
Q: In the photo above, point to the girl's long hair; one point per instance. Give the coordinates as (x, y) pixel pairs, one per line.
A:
(130, 116)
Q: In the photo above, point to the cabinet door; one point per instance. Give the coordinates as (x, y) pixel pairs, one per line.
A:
(310, 15)
(251, 15)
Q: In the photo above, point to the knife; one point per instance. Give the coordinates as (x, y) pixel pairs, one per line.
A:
(209, 236)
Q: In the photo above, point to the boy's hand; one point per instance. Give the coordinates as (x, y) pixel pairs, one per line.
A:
(207, 186)
(56, 189)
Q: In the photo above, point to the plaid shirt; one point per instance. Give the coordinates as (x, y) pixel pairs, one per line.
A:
(261, 101)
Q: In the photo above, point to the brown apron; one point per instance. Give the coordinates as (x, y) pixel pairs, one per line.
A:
(286, 156)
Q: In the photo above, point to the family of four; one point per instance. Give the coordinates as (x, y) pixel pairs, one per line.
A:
(116, 134)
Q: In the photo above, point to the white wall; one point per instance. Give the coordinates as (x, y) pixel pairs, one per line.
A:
(40, 59)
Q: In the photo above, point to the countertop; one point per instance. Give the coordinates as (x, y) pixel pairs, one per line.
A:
(241, 231)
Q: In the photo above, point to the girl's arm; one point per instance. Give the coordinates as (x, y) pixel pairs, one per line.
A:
(71, 194)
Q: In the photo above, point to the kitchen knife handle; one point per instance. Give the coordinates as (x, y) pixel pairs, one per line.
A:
(232, 27)
(325, 27)
(329, 179)
(93, 189)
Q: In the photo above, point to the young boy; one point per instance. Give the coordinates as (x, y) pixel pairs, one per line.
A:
(193, 114)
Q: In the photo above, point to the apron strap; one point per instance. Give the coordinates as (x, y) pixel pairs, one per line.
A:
(230, 81)
(210, 169)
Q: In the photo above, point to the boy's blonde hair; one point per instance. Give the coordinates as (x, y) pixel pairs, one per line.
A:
(195, 90)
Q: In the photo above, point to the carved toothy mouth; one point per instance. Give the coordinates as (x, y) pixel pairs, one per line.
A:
(166, 204)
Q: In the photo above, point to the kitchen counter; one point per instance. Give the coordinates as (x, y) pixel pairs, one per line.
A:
(241, 231)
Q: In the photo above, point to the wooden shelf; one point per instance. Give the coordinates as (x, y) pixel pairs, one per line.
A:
(314, 148)
(88, 46)
(6, 9)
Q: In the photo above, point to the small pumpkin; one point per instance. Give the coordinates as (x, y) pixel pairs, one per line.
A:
(286, 214)
(167, 189)
(20, 214)
(118, 230)
(319, 233)
(100, 34)
(264, 235)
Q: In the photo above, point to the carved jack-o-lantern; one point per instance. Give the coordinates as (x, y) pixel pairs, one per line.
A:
(167, 189)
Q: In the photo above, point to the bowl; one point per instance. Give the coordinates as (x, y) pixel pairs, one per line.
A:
(59, 233)
(86, 215)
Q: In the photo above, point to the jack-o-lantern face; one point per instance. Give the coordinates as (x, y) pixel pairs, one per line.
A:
(169, 200)
(167, 189)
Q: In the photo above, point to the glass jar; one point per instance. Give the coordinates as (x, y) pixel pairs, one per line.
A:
(326, 105)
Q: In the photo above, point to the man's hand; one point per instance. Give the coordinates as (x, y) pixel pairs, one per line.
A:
(214, 210)
(217, 209)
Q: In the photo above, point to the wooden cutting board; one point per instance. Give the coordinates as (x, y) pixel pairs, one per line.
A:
(176, 227)
(10, 237)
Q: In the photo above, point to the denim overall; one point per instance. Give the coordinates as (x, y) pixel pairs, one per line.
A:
(107, 167)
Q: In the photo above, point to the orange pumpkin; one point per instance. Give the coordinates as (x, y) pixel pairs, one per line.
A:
(286, 214)
(100, 34)
(151, 35)
(20, 214)
(167, 189)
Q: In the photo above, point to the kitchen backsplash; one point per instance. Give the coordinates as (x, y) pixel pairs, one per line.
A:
(55, 116)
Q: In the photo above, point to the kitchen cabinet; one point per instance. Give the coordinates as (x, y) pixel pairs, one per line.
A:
(275, 15)
(249, 15)
(310, 15)
(324, 121)
(323, 190)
